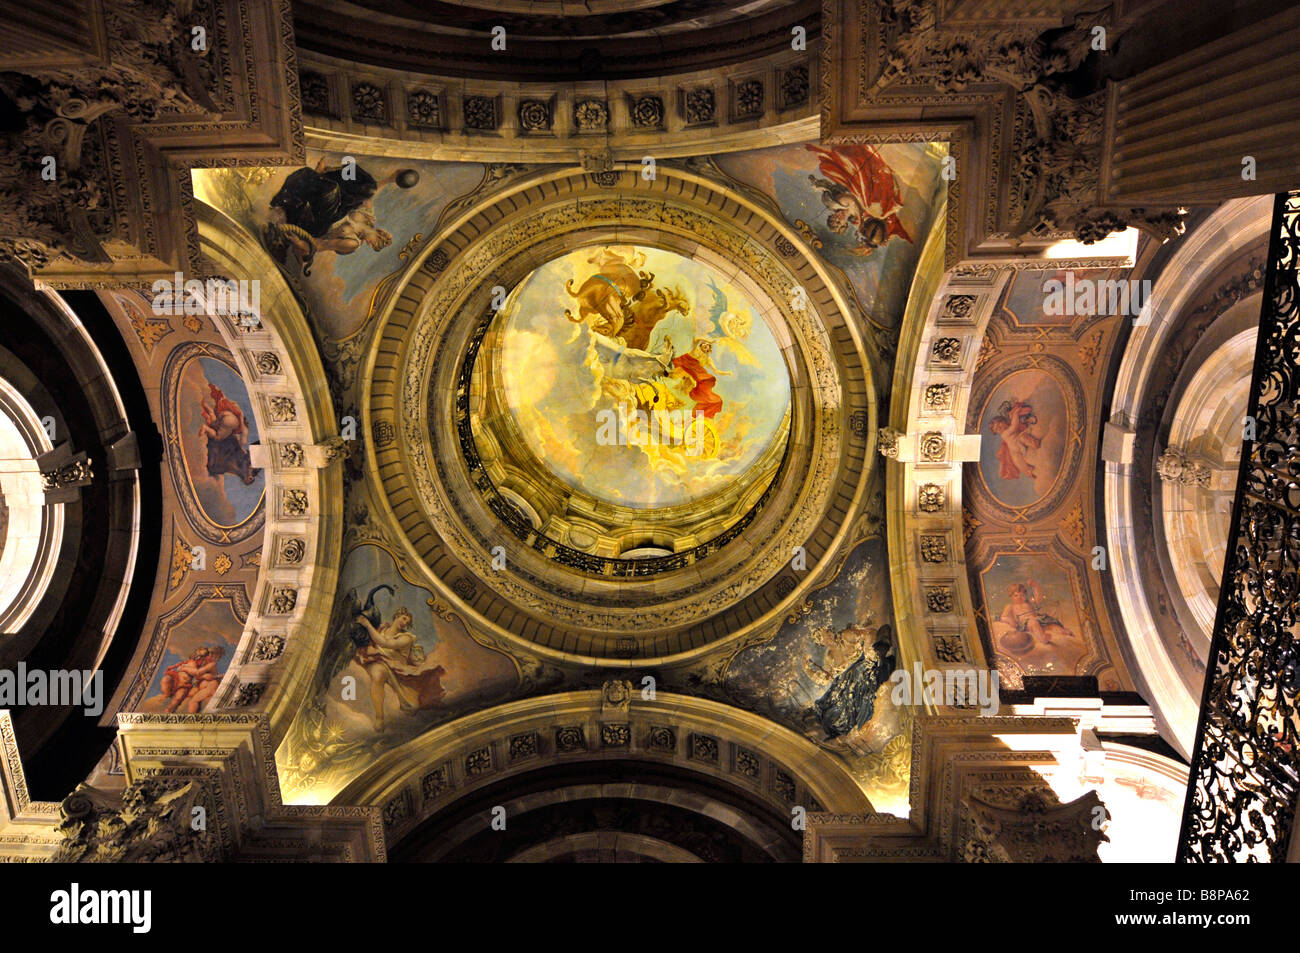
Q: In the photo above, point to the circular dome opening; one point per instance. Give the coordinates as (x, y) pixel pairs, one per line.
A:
(633, 398)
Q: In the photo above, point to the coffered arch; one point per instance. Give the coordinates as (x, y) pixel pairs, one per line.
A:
(926, 445)
(698, 742)
(278, 360)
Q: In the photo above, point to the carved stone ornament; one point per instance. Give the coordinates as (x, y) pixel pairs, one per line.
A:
(150, 823)
(749, 98)
(295, 502)
(424, 109)
(932, 50)
(938, 398)
(598, 162)
(291, 455)
(700, 106)
(647, 112)
(615, 735)
(480, 113)
(249, 694)
(946, 350)
(1174, 466)
(570, 738)
(268, 647)
(369, 103)
(616, 695)
(957, 307)
(76, 473)
(887, 442)
(939, 599)
(336, 448)
(930, 497)
(1030, 828)
(283, 600)
(534, 115)
(949, 648)
(934, 549)
(933, 446)
(95, 135)
(292, 550)
(590, 115)
(283, 410)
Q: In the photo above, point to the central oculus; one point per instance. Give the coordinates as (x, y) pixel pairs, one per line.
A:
(640, 379)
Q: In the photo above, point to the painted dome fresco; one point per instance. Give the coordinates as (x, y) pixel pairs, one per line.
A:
(635, 377)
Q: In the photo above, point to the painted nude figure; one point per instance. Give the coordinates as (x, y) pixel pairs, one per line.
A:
(1012, 424)
(225, 432)
(193, 681)
(394, 660)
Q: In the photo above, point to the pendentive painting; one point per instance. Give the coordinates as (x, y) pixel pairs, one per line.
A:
(866, 209)
(1025, 423)
(341, 224)
(201, 637)
(209, 426)
(826, 672)
(396, 662)
(1024, 300)
(1034, 618)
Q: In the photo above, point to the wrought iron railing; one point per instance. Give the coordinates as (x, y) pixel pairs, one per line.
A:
(1245, 776)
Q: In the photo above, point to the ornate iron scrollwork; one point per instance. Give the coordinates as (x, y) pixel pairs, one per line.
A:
(1245, 774)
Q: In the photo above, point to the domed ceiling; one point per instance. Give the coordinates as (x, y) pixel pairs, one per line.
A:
(633, 377)
(736, 556)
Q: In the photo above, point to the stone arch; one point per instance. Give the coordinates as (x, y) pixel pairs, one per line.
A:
(1226, 233)
(303, 538)
(711, 742)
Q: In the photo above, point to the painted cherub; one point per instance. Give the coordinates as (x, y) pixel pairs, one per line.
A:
(193, 681)
(1012, 423)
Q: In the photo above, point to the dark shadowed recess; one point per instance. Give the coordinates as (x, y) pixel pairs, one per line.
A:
(60, 745)
(564, 801)
(616, 41)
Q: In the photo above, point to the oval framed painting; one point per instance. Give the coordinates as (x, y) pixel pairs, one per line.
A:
(1029, 418)
(208, 423)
